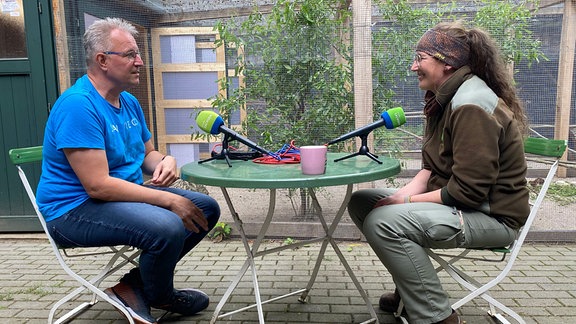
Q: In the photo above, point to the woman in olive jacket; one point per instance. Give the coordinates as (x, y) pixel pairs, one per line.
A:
(471, 191)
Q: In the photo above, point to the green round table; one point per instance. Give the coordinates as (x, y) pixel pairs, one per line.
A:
(248, 174)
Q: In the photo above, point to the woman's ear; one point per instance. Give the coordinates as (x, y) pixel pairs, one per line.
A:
(449, 69)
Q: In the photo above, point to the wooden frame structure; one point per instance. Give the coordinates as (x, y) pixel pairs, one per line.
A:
(205, 37)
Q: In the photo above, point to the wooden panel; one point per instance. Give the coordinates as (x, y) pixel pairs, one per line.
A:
(195, 67)
(204, 39)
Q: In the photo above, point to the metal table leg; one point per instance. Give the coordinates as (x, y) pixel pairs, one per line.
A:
(330, 239)
(252, 252)
(249, 260)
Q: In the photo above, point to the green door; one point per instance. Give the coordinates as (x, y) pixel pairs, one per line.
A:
(28, 87)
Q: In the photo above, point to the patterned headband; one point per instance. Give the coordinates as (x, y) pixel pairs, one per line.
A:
(444, 47)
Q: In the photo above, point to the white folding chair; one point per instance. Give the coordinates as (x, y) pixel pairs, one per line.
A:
(541, 150)
(118, 256)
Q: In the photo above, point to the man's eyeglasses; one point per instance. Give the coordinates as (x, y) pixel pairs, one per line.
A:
(131, 54)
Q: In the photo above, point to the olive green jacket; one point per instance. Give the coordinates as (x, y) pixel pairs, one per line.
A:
(475, 151)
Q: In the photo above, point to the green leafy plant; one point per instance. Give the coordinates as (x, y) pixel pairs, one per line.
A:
(290, 241)
(297, 64)
(297, 75)
(562, 192)
(297, 72)
(351, 246)
(35, 290)
(509, 23)
(404, 22)
(6, 297)
(220, 232)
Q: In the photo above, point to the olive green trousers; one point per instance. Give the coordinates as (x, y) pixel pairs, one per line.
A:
(399, 234)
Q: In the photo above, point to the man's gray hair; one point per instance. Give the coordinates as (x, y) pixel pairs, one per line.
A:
(97, 35)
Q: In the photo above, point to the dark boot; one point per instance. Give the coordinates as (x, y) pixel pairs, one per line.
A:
(389, 302)
(452, 319)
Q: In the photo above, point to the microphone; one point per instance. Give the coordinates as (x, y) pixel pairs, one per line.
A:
(391, 118)
(212, 123)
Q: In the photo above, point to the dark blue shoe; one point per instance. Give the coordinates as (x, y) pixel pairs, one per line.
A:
(186, 302)
(134, 301)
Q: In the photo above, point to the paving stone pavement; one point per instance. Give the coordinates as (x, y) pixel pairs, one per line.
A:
(541, 286)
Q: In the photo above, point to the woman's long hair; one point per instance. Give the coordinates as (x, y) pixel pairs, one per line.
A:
(487, 62)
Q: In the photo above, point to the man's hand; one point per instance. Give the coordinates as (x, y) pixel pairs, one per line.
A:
(165, 172)
(191, 215)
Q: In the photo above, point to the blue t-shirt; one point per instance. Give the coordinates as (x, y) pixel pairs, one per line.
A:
(82, 118)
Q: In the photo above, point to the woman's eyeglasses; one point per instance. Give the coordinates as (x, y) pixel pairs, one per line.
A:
(418, 59)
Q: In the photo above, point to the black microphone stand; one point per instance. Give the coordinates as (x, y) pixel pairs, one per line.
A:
(224, 153)
(363, 150)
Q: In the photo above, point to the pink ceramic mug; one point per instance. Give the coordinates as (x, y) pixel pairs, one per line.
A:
(313, 159)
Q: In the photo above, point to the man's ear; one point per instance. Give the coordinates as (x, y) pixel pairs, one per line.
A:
(101, 60)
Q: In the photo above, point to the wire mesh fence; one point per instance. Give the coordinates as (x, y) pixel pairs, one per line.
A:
(281, 70)
(300, 74)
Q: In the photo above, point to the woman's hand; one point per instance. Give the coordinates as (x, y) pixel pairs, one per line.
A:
(417, 186)
(390, 200)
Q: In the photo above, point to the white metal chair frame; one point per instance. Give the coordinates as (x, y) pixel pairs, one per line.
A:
(533, 146)
(120, 255)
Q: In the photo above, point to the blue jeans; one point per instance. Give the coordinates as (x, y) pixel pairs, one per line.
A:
(157, 231)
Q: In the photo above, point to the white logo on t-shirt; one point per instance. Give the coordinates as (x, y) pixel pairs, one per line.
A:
(130, 123)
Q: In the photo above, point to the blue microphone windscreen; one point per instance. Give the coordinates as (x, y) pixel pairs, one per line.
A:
(394, 117)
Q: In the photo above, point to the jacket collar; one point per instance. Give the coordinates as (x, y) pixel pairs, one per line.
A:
(449, 88)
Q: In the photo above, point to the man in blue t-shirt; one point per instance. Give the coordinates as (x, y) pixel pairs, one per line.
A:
(96, 148)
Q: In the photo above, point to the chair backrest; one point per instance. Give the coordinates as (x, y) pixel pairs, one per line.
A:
(25, 155)
(20, 157)
(545, 148)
